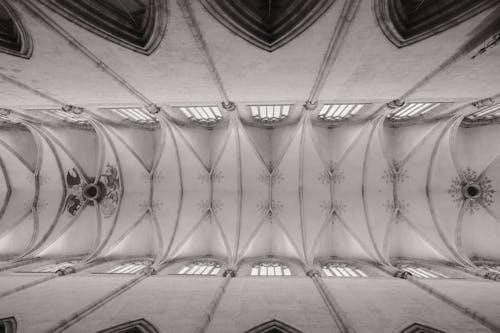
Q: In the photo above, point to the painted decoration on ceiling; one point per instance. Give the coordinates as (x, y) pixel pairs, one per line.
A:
(135, 24)
(74, 199)
(111, 182)
(405, 22)
(14, 38)
(267, 24)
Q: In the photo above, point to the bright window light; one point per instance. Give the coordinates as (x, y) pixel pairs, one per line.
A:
(52, 268)
(336, 112)
(269, 113)
(412, 110)
(270, 269)
(128, 268)
(64, 116)
(207, 115)
(342, 270)
(423, 273)
(138, 115)
(488, 113)
(494, 269)
(201, 268)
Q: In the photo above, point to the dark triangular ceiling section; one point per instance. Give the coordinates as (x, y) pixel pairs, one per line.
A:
(14, 38)
(135, 24)
(406, 22)
(268, 24)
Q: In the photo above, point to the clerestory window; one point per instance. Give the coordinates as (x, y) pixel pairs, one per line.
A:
(201, 268)
(270, 269)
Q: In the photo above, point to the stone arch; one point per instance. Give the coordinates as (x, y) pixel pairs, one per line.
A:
(139, 26)
(273, 326)
(8, 325)
(267, 25)
(420, 328)
(405, 22)
(14, 38)
(136, 326)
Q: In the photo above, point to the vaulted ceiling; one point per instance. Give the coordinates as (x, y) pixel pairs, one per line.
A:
(367, 187)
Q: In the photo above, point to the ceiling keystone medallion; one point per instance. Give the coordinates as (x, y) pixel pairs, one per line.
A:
(270, 207)
(331, 175)
(136, 25)
(405, 22)
(267, 24)
(330, 207)
(395, 174)
(477, 191)
(271, 179)
(14, 38)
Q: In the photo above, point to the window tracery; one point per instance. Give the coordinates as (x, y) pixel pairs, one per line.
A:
(488, 113)
(270, 269)
(136, 115)
(422, 272)
(338, 112)
(412, 111)
(128, 268)
(269, 113)
(204, 115)
(201, 268)
(53, 268)
(340, 270)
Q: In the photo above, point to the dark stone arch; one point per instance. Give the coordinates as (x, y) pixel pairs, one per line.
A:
(135, 24)
(14, 38)
(406, 22)
(419, 328)
(267, 25)
(273, 326)
(8, 325)
(136, 326)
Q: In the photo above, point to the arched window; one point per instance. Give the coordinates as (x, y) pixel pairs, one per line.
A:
(201, 268)
(53, 268)
(14, 39)
(128, 268)
(270, 269)
(342, 270)
(8, 325)
(136, 326)
(422, 272)
(419, 328)
(405, 22)
(414, 110)
(138, 25)
(273, 326)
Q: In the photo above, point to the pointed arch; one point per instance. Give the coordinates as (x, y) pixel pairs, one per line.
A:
(14, 38)
(139, 25)
(405, 22)
(267, 25)
(273, 326)
(420, 328)
(135, 326)
(8, 325)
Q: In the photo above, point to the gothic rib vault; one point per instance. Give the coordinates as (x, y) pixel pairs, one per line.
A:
(365, 188)
(367, 191)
